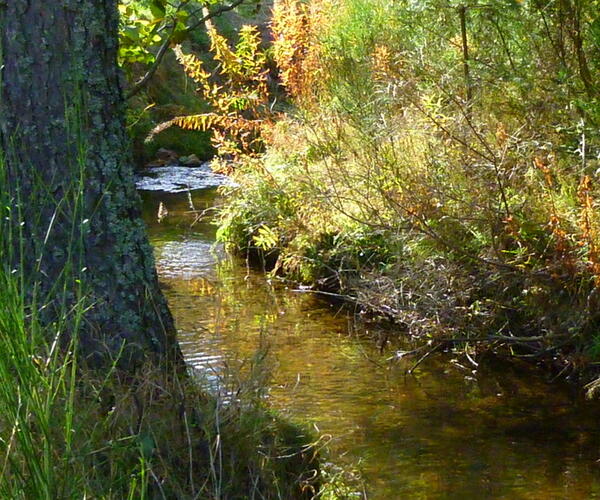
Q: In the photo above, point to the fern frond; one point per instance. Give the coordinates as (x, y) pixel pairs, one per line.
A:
(192, 66)
(230, 64)
(202, 122)
(251, 59)
(236, 91)
(157, 130)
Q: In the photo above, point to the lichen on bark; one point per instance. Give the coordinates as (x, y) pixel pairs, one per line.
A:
(69, 171)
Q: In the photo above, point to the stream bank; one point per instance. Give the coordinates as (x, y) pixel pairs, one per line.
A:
(449, 430)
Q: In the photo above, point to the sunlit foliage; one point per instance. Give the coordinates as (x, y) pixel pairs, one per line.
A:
(236, 91)
(448, 171)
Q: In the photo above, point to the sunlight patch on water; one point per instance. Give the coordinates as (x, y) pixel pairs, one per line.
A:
(187, 259)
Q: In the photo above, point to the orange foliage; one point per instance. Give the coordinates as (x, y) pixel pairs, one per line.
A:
(296, 48)
(543, 166)
(501, 134)
(564, 256)
(589, 230)
(386, 65)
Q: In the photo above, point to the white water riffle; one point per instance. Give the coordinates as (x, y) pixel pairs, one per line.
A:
(178, 179)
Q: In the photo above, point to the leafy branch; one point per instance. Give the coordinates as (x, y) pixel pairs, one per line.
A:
(172, 27)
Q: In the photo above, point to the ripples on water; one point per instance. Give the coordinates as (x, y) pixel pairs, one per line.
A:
(178, 179)
(187, 259)
(503, 432)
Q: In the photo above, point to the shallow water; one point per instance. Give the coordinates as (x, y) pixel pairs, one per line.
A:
(179, 179)
(445, 432)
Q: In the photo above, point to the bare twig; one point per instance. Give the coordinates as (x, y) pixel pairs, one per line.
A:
(349, 298)
(423, 358)
(214, 13)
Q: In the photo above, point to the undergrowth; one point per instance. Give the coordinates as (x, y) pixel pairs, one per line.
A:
(443, 178)
(69, 429)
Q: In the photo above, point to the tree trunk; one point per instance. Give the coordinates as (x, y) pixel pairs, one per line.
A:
(70, 175)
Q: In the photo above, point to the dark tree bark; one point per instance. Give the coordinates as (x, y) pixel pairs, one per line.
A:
(70, 174)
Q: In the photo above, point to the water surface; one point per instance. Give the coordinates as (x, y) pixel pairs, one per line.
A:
(445, 432)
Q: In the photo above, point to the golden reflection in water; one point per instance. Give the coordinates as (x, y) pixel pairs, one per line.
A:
(502, 432)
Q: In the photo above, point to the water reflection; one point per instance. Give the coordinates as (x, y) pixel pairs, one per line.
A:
(503, 432)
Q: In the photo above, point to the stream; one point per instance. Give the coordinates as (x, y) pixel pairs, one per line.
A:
(447, 431)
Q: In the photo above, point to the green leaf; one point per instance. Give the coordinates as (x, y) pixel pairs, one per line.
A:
(266, 239)
(147, 446)
(158, 8)
(595, 30)
(131, 33)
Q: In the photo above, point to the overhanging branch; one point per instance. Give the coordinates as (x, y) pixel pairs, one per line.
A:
(167, 42)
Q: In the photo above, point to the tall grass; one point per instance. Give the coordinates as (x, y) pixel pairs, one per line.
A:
(69, 430)
(51, 431)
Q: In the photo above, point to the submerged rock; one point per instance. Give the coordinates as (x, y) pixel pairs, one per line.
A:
(164, 157)
(168, 156)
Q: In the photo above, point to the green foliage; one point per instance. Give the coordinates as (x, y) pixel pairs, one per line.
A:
(141, 30)
(430, 183)
(145, 26)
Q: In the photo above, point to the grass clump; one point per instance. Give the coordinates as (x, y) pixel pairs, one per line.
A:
(69, 432)
(70, 429)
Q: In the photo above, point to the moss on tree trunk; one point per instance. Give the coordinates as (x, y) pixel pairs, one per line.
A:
(70, 173)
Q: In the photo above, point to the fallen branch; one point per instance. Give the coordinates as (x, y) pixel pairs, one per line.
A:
(423, 358)
(349, 298)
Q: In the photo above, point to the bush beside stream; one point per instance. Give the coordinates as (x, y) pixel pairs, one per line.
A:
(453, 194)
